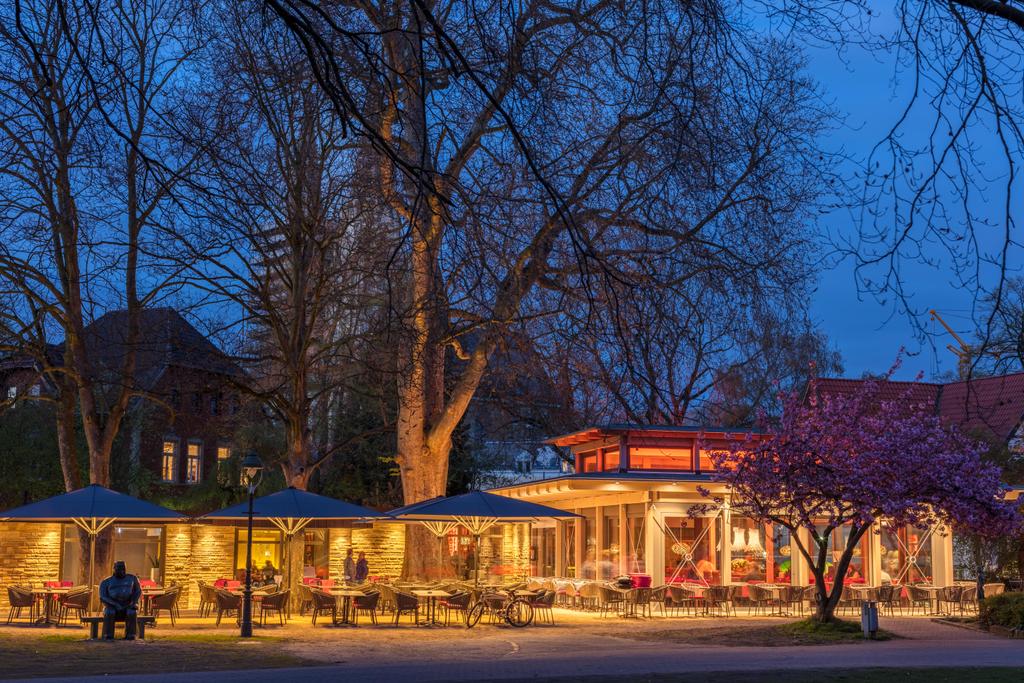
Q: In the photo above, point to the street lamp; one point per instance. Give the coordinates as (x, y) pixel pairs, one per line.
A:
(252, 472)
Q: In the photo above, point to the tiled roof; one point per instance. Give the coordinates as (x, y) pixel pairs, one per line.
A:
(165, 340)
(992, 405)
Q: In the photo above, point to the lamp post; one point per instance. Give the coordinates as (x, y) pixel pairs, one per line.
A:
(252, 471)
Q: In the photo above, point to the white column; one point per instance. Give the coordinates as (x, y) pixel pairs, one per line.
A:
(725, 546)
(654, 541)
(942, 556)
(874, 559)
(624, 549)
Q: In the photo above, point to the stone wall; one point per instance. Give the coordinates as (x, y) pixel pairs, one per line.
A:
(209, 557)
(29, 555)
(383, 543)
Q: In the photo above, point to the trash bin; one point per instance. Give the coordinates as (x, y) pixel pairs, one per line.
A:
(869, 618)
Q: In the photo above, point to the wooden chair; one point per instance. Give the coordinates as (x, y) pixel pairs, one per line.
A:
(324, 603)
(275, 603)
(20, 598)
(611, 600)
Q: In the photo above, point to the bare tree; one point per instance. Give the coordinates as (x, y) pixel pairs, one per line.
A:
(526, 145)
(86, 91)
(278, 221)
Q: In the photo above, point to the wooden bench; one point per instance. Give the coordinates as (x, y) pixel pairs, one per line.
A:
(95, 622)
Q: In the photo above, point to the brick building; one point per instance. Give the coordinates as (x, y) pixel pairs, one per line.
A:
(182, 423)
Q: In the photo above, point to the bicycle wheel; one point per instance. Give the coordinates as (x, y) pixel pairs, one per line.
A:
(473, 614)
(519, 613)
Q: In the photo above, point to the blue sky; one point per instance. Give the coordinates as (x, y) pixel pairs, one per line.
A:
(861, 87)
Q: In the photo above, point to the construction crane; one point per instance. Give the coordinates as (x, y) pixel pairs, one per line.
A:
(963, 352)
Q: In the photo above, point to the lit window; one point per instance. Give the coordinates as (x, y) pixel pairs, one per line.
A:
(194, 462)
(223, 454)
(169, 462)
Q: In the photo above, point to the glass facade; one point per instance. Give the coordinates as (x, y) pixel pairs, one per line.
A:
(857, 570)
(140, 547)
(608, 565)
(748, 558)
(590, 558)
(780, 559)
(542, 550)
(906, 555)
(690, 550)
(568, 549)
(316, 553)
(636, 545)
(266, 547)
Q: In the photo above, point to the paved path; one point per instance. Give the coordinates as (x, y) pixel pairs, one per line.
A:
(521, 654)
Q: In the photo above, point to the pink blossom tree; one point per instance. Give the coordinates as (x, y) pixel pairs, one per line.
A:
(856, 459)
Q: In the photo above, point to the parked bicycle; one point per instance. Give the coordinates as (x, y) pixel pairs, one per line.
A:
(512, 609)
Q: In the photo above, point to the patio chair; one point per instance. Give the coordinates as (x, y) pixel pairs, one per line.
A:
(969, 600)
(305, 599)
(494, 604)
(406, 603)
(366, 603)
(227, 602)
(589, 596)
(275, 603)
(992, 589)
(890, 597)
(324, 603)
(679, 598)
(658, 597)
(168, 601)
(20, 598)
(919, 598)
(721, 600)
(76, 601)
(951, 595)
(543, 606)
(458, 602)
(387, 598)
(761, 599)
(611, 600)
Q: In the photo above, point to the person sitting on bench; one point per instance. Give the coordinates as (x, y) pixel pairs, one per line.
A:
(120, 596)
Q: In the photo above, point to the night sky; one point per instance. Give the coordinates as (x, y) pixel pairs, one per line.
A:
(869, 333)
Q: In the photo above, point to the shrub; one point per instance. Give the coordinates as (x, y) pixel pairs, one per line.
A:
(1003, 610)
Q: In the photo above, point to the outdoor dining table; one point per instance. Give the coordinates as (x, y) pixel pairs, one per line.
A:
(933, 598)
(49, 596)
(431, 595)
(346, 594)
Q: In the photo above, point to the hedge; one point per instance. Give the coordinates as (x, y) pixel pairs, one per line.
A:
(1003, 610)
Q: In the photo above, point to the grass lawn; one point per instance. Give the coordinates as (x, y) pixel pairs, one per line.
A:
(67, 655)
(807, 632)
(940, 675)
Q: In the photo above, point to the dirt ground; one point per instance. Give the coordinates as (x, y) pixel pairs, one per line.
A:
(197, 645)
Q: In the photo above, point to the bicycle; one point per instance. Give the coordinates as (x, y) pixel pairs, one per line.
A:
(515, 611)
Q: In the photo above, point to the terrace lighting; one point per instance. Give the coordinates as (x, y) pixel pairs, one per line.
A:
(252, 472)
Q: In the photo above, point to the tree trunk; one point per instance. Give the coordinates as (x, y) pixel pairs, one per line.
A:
(66, 447)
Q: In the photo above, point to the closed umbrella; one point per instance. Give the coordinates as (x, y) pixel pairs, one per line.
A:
(478, 511)
(93, 509)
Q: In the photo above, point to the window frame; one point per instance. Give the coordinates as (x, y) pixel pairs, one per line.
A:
(175, 454)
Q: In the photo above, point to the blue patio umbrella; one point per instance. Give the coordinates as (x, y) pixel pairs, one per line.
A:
(292, 509)
(93, 509)
(478, 511)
